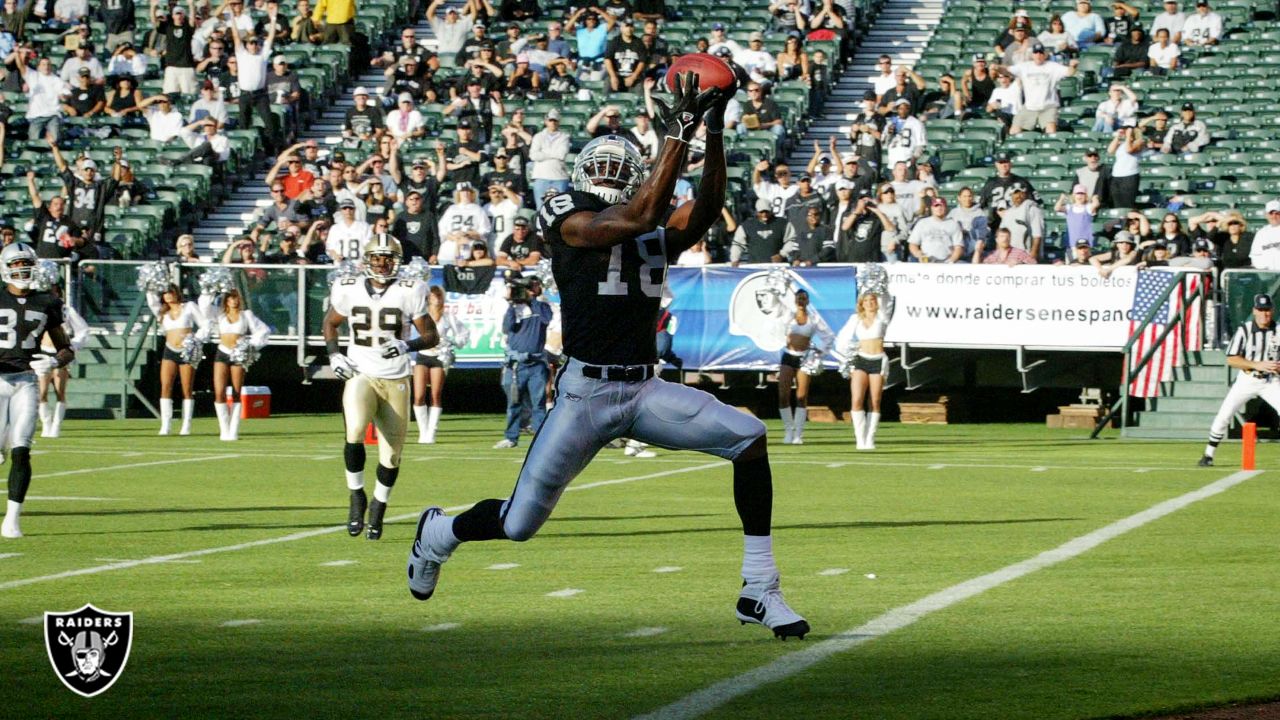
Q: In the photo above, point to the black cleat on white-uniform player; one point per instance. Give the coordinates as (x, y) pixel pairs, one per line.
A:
(377, 509)
(355, 516)
(762, 604)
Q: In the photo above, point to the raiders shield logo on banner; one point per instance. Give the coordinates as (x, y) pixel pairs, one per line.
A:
(88, 647)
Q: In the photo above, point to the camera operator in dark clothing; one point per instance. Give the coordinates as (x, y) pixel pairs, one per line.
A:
(524, 374)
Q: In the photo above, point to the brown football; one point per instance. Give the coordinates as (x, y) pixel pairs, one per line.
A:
(712, 71)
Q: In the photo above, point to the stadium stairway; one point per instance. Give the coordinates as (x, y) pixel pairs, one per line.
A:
(1187, 405)
(902, 29)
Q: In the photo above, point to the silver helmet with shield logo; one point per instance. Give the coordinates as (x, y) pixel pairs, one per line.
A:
(609, 167)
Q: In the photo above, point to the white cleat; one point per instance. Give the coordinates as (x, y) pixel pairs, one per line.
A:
(503, 444)
(10, 530)
(762, 604)
(424, 560)
(787, 439)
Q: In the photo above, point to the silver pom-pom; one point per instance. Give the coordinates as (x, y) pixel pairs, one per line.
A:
(447, 355)
(811, 362)
(243, 354)
(873, 278)
(345, 270)
(45, 275)
(543, 272)
(154, 277)
(192, 351)
(416, 269)
(216, 281)
(846, 367)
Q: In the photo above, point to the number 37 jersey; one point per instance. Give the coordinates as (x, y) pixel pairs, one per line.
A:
(375, 317)
(23, 321)
(609, 296)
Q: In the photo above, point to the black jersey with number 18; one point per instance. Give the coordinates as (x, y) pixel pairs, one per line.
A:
(609, 297)
(23, 320)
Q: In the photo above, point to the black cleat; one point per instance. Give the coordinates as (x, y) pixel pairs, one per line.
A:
(355, 516)
(763, 605)
(1205, 461)
(377, 509)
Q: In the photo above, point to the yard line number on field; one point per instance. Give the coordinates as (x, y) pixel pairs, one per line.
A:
(715, 696)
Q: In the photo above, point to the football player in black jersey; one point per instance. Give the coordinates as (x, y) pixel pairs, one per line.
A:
(610, 253)
(25, 316)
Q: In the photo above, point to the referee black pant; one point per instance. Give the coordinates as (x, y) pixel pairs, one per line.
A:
(259, 101)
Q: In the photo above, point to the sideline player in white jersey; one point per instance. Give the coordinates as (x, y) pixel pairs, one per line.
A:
(376, 367)
(47, 372)
(24, 316)
(610, 252)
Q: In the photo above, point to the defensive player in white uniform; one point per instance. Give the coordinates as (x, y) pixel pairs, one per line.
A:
(610, 252)
(376, 368)
(24, 316)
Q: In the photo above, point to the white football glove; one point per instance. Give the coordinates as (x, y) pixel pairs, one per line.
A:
(394, 348)
(342, 366)
(42, 364)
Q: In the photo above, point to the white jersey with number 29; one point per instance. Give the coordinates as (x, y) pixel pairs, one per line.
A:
(375, 317)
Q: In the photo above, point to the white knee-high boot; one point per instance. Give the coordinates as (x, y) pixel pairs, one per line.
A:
(220, 409)
(788, 424)
(420, 413)
(59, 412)
(801, 415)
(233, 423)
(166, 415)
(46, 421)
(188, 409)
(433, 423)
(873, 421)
(859, 428)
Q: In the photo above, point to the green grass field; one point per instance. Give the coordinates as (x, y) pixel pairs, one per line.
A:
(1179, 612)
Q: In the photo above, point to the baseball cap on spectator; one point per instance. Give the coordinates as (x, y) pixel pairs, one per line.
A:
(938, 201)
(412, 193)
(849, 158)
(466, 124)
(405, 98)
(1124, 236)
(1263, 301)
(628, 22)
(89, 165)
(501, 153)
(824, 159)
(178, 10)
(208, 85)
(901, 101)
(717, 26)
(1091, 152)
(1205, 3)
(521, 221)
(84, 71)
(521, 58)
(338, 156)
(1017, 188)
(1189, 106)
(1079, 190)
(1003, 157)
(1160, 243)
(1037, 48)
(553, 114)
(1202, 244)
(408, 60)
(763, 205)
(1022, 13)
(346, 203)
(1273, 206)
(479, 25)
(757, 35)
(806, 177)
(279, 60)
(361, 91)
(419, 163)
(1083, 242)
(869, 95)
(980, 57)
(453, 10)
(123, 163)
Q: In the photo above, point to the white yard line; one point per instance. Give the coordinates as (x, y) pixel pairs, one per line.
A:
(130, 466)
(49, 498)
(715, 696)
(566, 593)
(157, 559)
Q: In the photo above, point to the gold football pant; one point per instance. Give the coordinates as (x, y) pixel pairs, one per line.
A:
(385, 403)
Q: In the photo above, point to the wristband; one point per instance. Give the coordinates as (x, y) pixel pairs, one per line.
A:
(332, 347)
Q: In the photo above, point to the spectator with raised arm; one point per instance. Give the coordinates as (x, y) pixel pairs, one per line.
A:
(339, 18)
(178, 55)
(252, 56)
(451, 31)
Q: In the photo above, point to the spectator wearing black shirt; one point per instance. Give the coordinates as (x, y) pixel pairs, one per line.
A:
(178, 59)
(1130, 55)
(404, 78)
(118, 16)
(464, 166)
(625, 59)
(214, 68)
(424, 176)
(997, 191)
(1118, 26)
(762, 113)
(859, 238)
(286, 92)
(796, 207)
(806, 249)
(477, 109)
(53, 234)
(606, 122)
(908, 85)
(562, 83)
(471, 46)
(522, 248)
(522, 82)
(408, 47)
(503, 175)
(619, 9)
(519, 10)
(88, 191)
(364, 121)
(86, 99)
(286, 252)
(977, 84)
(416, 227)
(282, 25)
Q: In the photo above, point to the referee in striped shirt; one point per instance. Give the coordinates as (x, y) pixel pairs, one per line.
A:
(1253, 352)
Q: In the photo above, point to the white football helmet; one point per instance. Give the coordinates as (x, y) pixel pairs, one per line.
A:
(609, 167)
(18, 265)
(383, 245)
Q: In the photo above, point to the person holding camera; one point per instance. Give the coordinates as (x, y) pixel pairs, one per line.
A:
(524, 375)
(1125, 173)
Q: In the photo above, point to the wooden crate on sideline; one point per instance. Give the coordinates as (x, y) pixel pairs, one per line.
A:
(921, 410)
(1075, 417)
(825, 414)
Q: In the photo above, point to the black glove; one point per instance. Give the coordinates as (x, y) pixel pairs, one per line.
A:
(680, 121)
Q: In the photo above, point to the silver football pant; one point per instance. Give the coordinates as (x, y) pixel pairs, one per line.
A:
(589, 413)
(19, 401)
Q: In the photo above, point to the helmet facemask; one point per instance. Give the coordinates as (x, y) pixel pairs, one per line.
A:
(18, 265)
(611, 168)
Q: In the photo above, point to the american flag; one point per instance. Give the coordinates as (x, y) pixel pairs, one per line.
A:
(1150, 287)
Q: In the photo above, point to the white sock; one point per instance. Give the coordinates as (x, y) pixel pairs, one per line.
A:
(433, 418)
(420, 413)
(355, 480)
(859, 427)
(220, 409)
(1209, 450)
(758, 565)
(787, 420)
(233, 422)
(12, 510)
(801, 415)
(166, 414)
(59, 412)
(381, 492)
(43, 410)
(188, 409)
(873, 421)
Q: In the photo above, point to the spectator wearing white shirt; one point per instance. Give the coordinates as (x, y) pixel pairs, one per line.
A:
(69, 12)
(208, 146)
(1202, 28)
(451, 31)
(759, 64)
(718, 39)
(405, 122)
(83, 58)
(126, 60)
(210, 104)
(1163, 55)
(1186, 135)
(776, 192)
(1265, 253)
(502, 208)
(885, 80)
(44, 100)
(1040, 79)
(1006, 99)
(905, 134)
(937, 238)
(1120, 105)
(547, 153)
(252, 58)
(166, 123)
(1024, 220)
(1085, 25)
(1171, 19)
(347, 235)
(462, 223)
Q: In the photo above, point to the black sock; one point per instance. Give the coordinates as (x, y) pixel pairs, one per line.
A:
(387, 476)
(753, 494)
(482, 522)
(353, 456)
(19, 473)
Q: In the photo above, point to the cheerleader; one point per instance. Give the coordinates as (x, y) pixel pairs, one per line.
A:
(431, 365)
(234, 323)
(178, 319)
(807, 339)
(78, 331)
(862, 339)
